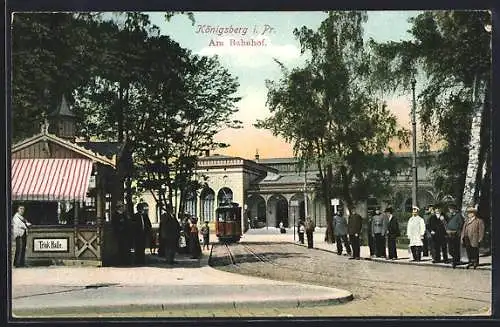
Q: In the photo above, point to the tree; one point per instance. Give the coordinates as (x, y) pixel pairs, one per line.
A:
(451, 54)
(52, 54)
(328, 111)
(170, 157)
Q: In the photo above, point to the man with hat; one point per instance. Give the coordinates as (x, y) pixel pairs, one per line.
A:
(141, 229)
(354, 227)
(472, 234)
(437, 228)
(379, 230)
(392, 233)
(453, 230)
(415, 231)
(170, 231)
(428, 247)
(120, 222)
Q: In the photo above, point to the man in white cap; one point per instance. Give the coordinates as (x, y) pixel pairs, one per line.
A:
(415, 231)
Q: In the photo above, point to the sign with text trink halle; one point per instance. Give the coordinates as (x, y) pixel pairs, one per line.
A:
(50, 245)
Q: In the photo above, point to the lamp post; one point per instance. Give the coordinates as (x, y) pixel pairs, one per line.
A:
(305, 193)
(414, 135)
(294, 204)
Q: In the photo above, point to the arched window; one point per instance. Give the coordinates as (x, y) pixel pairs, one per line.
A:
(225, 195)
(208, 202)
(191, 203)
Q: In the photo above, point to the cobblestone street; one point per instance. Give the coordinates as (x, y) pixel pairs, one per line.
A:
(379, 289)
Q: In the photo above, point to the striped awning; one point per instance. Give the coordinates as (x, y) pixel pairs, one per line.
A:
(50, 179)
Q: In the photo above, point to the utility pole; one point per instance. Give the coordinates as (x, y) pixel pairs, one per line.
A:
(305, 193)
(414, 134)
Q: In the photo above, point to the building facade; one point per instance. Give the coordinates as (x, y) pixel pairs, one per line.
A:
(274, 190)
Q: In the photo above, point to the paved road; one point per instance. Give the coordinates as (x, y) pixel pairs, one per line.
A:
(378, 288)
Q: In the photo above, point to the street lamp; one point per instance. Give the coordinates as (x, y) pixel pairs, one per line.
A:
(294, 204)
(414, 127)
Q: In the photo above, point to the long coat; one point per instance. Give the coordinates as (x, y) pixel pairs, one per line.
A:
(170, 231)
(393, 227)
(474, 230)
(379, 225)
(438, 226)
(339, 225)
(354, 224)
(415, 230)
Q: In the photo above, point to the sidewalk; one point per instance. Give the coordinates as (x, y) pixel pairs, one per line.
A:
(404, 256)
(90, 290)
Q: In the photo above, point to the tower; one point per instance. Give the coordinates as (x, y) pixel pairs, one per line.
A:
(63, 121)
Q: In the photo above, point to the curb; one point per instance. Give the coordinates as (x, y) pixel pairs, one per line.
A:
(279, 302)
(398, 262)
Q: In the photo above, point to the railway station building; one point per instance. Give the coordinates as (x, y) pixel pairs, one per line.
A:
(274, 189)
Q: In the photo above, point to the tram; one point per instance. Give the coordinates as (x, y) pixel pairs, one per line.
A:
(228, 222)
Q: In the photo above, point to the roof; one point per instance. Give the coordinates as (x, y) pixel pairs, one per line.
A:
(287, 179)
(63, 109)
(278, 160)
(45, 136)
(108, 149)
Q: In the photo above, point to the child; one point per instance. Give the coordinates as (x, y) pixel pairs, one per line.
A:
(205, 232)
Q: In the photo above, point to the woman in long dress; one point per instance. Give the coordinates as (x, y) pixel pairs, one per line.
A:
(194, 241)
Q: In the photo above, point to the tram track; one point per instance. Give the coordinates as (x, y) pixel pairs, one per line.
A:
(384, 284)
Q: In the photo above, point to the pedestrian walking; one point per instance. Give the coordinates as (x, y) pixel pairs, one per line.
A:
(379, 231)
(20, 226)
(310, 226)
(301, 230)
(340, 233)
(415, 231)
(354, 226)
(437, 228)
(141, 231)
(205, 232)
(472, 234)
(393, 233)
(120, 222)
(453, 231)
(170, 231)
(282, 228)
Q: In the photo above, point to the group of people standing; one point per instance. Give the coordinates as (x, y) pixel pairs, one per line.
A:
(135, 231)
(435, 234)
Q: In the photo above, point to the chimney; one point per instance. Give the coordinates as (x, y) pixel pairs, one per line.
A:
(257, 155)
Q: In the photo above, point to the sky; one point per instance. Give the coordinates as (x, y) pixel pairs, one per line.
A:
(253, 65)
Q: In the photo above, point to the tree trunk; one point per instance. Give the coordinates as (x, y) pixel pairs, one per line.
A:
(327, 182)
(474, 145)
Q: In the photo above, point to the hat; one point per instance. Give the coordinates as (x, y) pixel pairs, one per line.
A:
(472, 209)
(388, 210)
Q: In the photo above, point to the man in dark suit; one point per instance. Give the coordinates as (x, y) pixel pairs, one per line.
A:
(120, 223)
(354, 229)
(141, 230)
(170, 231)
(437, 227)
(392, 234)
(453, 230)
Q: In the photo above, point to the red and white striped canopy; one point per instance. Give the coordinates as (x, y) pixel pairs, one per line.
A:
(50, 179)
